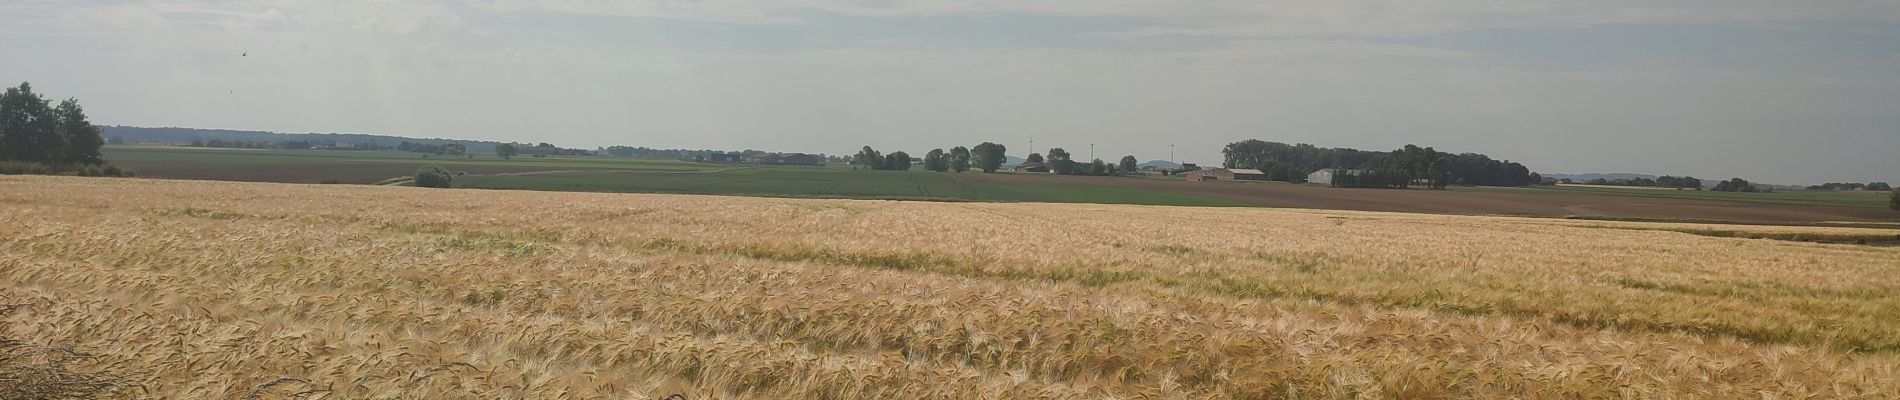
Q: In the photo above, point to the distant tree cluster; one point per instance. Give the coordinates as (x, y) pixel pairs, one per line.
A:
(652, 153)
(285, 144)
(448, 149)
(1893, 201)
(1061, 162)
(38, 137)
(986, 156)
(1738, 185)
(1405, 167)
(1665, 181)
(1875, 186)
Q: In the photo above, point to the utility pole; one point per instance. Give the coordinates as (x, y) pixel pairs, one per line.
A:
(1171, 153)
(1092, 152)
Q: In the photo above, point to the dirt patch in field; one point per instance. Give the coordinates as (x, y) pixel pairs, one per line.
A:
(1528, 203)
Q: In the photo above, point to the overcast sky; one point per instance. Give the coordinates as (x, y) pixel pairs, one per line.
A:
(1771, 90)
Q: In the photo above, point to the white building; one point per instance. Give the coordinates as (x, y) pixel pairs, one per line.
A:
(1326, 176)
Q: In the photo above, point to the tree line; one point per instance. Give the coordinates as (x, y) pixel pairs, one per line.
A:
(985, 156)
(1060, 162)
(1738, 185)
(1665, 181)
(37, 137)
(1875, 186)
(1405, 167)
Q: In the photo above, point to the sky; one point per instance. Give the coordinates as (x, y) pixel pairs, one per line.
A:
(1770, 90)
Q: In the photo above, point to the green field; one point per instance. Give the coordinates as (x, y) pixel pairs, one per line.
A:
(834, 182)
(1791, 197)
(345, 166)
(627, 175)
(138, 155)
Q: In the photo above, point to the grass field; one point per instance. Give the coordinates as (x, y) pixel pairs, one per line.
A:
(838, 182)
(622, 175)
(177, 289)
(312, 166)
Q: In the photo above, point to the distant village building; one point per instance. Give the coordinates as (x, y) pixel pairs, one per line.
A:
(1034, 167)
(1327, 176)
(724, 157)
(1231, 174)
(1240, 174)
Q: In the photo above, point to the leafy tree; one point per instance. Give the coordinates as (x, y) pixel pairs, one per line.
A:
(1129, 164)
(897, 161)
(1098, 168)
(1735, 185)
(505, 151)
(936, 161)
(1879, 186)
(989, 156)
(870, 158)
(29, 131)
(1060, 162)
(1033, 158)
(432, 176)
(82, 139)
(1894, 200)
(959, 159)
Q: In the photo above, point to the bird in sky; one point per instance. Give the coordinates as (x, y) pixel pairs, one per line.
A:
(246, 54)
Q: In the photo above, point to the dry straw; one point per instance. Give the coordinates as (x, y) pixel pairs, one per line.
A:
(237, 290)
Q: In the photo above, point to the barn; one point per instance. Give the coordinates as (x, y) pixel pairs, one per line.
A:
(1240, 174)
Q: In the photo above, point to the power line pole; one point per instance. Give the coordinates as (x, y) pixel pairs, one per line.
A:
(1092, 152)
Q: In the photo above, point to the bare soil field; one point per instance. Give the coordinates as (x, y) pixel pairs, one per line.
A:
(141, 288)
(1470, 202)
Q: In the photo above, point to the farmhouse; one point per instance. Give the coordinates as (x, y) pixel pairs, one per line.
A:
(1327, 176)
(1202, 175)
(724, 157)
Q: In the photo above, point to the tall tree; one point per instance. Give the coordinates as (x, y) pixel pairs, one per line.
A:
(989, 156)
(897, 161)
(1129, 164)
(870, 158)
(935, 160)
(1894, 200)
(1034, 158)
(505, 151)
(28, 128)
(82, 139)
(959, 159)
(1060, 162)
(1098, 168)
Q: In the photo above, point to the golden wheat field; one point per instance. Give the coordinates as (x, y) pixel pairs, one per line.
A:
(175, 289)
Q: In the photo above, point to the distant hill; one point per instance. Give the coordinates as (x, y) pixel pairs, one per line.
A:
(1011, 161)
(133, 134)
